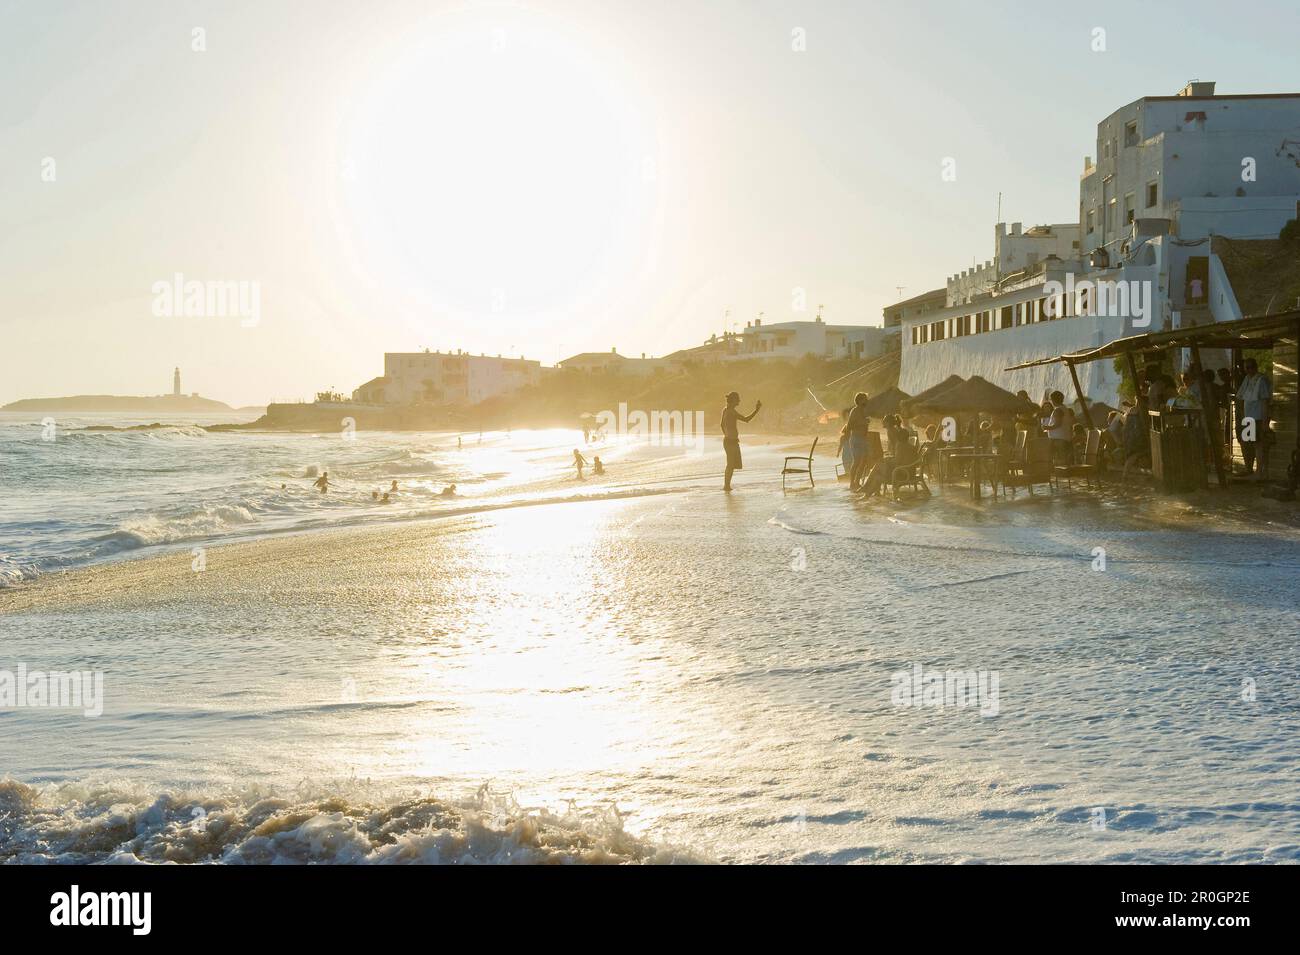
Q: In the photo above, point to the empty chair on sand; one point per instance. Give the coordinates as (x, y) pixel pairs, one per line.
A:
(1036, 468)
(804, 468)
(1086, 468)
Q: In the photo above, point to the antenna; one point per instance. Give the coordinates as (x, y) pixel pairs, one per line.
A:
(899, 289)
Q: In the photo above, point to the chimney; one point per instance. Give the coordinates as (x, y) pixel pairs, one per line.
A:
(1015, 228)
(613, 351)
(758, 323)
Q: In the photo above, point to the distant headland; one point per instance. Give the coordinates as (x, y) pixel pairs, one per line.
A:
(123, 403)
(175, 402)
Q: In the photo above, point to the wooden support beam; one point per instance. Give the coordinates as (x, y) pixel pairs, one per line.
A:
(1133, 373)
(1083, 402)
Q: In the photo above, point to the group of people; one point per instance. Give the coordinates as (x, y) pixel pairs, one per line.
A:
(322, 484)
(867, 462)
(1243, 411)
(579, 463)
(386, 499)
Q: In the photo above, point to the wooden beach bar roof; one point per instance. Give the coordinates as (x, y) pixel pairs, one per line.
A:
(1256, 332)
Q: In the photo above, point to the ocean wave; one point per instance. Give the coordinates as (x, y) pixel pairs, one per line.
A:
(130, 433)
(14, 572)
(83, 824)
(209, 521)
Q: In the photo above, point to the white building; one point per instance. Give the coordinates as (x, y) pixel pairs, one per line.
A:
(1221, 165)
(794, 340)
(446, 378)
(1169, 175)
(611, 362)
(915, 306)
(1015, 251)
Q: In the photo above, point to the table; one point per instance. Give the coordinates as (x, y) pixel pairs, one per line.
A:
(977, 459)
(945, 453)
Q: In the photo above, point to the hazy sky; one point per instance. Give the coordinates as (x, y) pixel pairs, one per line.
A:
(534, 178)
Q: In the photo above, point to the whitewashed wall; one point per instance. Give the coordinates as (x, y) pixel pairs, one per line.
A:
(989, 354)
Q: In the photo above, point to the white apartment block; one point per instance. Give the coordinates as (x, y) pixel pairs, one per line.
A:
(794, 340)
(1221, 165)
(450, 378)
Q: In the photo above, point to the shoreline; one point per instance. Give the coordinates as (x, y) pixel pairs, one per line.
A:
(1241, 506)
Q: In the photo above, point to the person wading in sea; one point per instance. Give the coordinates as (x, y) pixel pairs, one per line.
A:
(731, 435)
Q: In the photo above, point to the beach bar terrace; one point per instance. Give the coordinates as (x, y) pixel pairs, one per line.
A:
(1277, 332)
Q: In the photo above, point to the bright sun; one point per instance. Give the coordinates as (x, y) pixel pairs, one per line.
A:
(494, 168)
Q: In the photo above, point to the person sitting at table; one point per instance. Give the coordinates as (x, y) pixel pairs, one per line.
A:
(1112, 438)
(1079, 444)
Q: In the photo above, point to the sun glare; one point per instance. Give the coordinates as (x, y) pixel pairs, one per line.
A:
(496, 170)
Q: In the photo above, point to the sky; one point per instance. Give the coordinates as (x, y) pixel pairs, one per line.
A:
(533, 179)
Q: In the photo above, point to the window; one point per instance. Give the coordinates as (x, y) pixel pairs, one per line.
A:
(1110, 216)
(1131, 133)
(1092, 220)
(1153, 194)
(1007, 317)
(1130, 202)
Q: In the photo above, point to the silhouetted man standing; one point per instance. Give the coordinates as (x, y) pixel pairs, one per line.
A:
(731, 435)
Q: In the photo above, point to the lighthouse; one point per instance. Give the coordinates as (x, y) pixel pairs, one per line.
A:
(176, 382)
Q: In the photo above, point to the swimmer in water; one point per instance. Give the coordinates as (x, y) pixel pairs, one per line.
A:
(448, 491)
(596, 466)
(385, 500)
(394, 487)
(322, 483)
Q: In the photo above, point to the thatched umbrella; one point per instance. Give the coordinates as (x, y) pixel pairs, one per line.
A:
(975, 394)
(887, 402)
(909, 405)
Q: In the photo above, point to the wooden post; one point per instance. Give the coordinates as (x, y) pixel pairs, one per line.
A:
(1083, 402)
(1133, 373)
(1206, 408)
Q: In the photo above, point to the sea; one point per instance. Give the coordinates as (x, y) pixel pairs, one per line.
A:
(630, 668)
